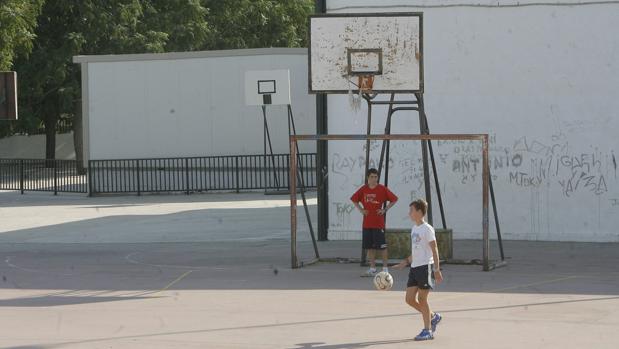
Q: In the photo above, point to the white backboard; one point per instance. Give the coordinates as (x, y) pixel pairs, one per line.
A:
(388, 44)
(264, 87)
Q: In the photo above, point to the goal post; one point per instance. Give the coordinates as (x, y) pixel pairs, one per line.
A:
(483, 138)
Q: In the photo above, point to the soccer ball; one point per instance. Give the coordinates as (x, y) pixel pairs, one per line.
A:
(383, 281)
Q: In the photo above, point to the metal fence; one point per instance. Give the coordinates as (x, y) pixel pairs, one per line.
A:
(192, 174)
(57, 176)
(197, 174)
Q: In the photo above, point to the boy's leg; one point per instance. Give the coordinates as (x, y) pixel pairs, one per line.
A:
(372, 258)
(368, 245)
(385, 259)
(424, 307)
(411, 298)
(380, 242)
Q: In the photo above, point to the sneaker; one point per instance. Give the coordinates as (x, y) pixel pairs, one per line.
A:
(424, 335)
(435, 320)
(386, 270)
(369, 273)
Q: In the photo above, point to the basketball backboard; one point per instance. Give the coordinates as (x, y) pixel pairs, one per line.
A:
(8, 96)
(267, 87)
(388, 46)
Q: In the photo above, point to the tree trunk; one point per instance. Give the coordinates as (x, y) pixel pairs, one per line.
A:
(78, 137)
(50, 119)
(50, 140)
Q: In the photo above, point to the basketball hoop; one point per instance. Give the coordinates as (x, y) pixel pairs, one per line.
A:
(364, 85)
(366, 82)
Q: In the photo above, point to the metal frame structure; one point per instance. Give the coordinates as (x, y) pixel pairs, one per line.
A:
(486, 184)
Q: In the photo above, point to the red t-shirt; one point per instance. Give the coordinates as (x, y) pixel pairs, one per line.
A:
(372, 200)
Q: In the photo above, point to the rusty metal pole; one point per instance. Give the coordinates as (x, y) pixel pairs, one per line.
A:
(485, 192)
(367, 163)
(293, 203)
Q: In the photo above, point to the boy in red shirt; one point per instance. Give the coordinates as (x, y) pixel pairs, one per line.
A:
(369, 200)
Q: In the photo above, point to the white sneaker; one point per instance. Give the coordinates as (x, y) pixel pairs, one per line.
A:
(369, 273)
(386, 270)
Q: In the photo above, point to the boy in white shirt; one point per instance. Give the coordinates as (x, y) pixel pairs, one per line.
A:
(425, 269)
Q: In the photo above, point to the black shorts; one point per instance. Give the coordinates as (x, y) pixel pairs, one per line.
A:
(421, 277)
(374, 239)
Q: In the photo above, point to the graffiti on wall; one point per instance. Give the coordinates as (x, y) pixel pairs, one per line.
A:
(538, 166)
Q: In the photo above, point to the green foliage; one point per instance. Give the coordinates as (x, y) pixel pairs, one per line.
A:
(17, 24)
(258, 23)
(49, 82)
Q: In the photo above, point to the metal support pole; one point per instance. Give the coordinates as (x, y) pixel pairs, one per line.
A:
(386, 142)
(367, 161)
(434, 171)
(293, 204)
(138, 177)
(89, 176)
(268, 138)
(485, 189)
(367, 142)
(21, 176)
(496, 216)
(264, 143)
(187, 176)
(55, 177)
(424, 156)
(237, 173)
(301, 181)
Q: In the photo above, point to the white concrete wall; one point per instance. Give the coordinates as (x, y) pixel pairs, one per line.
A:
(543, 81)
(188, 104)
(33, 147)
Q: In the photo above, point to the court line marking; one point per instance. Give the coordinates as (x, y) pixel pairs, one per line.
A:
(15, 266)
(177, 280)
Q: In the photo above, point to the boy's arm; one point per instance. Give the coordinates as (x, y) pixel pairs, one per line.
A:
(437, 262)
(392, 199)
(391, 203)
(356, 198)
(382, 211)
(359, 207)
(407, 261)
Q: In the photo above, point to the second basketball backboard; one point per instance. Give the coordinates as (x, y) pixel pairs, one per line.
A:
(267, 87)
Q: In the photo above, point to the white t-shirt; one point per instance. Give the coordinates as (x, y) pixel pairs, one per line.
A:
(421, 236)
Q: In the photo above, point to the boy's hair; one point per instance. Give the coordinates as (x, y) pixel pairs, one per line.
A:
(372, 171)
(420, 205)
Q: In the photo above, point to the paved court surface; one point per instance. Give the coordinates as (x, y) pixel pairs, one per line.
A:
(212, 271)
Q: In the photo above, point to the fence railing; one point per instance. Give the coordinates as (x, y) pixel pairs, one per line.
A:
(57, 176)
(197, 174)
(190, 174)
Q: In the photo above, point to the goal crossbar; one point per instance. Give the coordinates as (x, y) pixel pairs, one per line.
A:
(483, 138)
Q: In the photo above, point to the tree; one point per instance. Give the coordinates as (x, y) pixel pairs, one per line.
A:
(50, 83)
(258, 23)
(17, 24)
